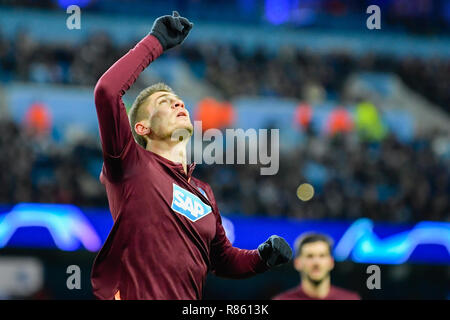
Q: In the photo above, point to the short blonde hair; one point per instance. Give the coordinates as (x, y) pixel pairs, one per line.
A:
(137, 113)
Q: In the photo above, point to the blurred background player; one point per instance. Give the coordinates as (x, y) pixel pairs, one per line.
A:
(314, 262)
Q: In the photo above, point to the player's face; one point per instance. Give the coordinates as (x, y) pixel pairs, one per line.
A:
(168, 114)
(315, 261)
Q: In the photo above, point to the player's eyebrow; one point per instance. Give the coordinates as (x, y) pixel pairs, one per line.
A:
(167, 95)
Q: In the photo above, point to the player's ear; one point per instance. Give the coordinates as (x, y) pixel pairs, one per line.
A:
(142, 128)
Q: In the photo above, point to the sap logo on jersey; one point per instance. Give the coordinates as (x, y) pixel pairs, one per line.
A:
(188, 204)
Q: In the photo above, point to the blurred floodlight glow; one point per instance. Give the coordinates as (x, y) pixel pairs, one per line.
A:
(66, 223)
(305, 192)
(364, 246)
(362, 241)
(229, 229)
(277, 11)
(66, 3)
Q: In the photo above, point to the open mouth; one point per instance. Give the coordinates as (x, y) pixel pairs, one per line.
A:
(182, 114)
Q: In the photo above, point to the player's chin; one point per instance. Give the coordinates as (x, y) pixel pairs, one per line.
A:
(181, 133)
(317, 276)
(186, 126)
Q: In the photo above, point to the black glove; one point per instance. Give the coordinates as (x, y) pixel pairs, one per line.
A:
(171, 30)
(275, 251)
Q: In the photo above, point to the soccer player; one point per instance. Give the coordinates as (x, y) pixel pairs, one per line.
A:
(314, 262)
(167, 233)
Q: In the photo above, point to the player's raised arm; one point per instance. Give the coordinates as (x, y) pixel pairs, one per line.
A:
(115, 132)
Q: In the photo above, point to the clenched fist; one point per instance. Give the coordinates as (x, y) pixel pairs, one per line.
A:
(171, 30)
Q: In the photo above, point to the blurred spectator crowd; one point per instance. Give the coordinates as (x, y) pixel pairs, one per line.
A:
(386, 180)
(288, 73)
(35, 169)
(292, 72)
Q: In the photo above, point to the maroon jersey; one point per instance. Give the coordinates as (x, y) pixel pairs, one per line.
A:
(167, 233)
(335, 293)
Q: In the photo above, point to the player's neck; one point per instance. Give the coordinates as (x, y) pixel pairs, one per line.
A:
(320, 290)
(175, 152)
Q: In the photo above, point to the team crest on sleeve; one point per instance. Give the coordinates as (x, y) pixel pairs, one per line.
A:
(202, 192)
(188, 204)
